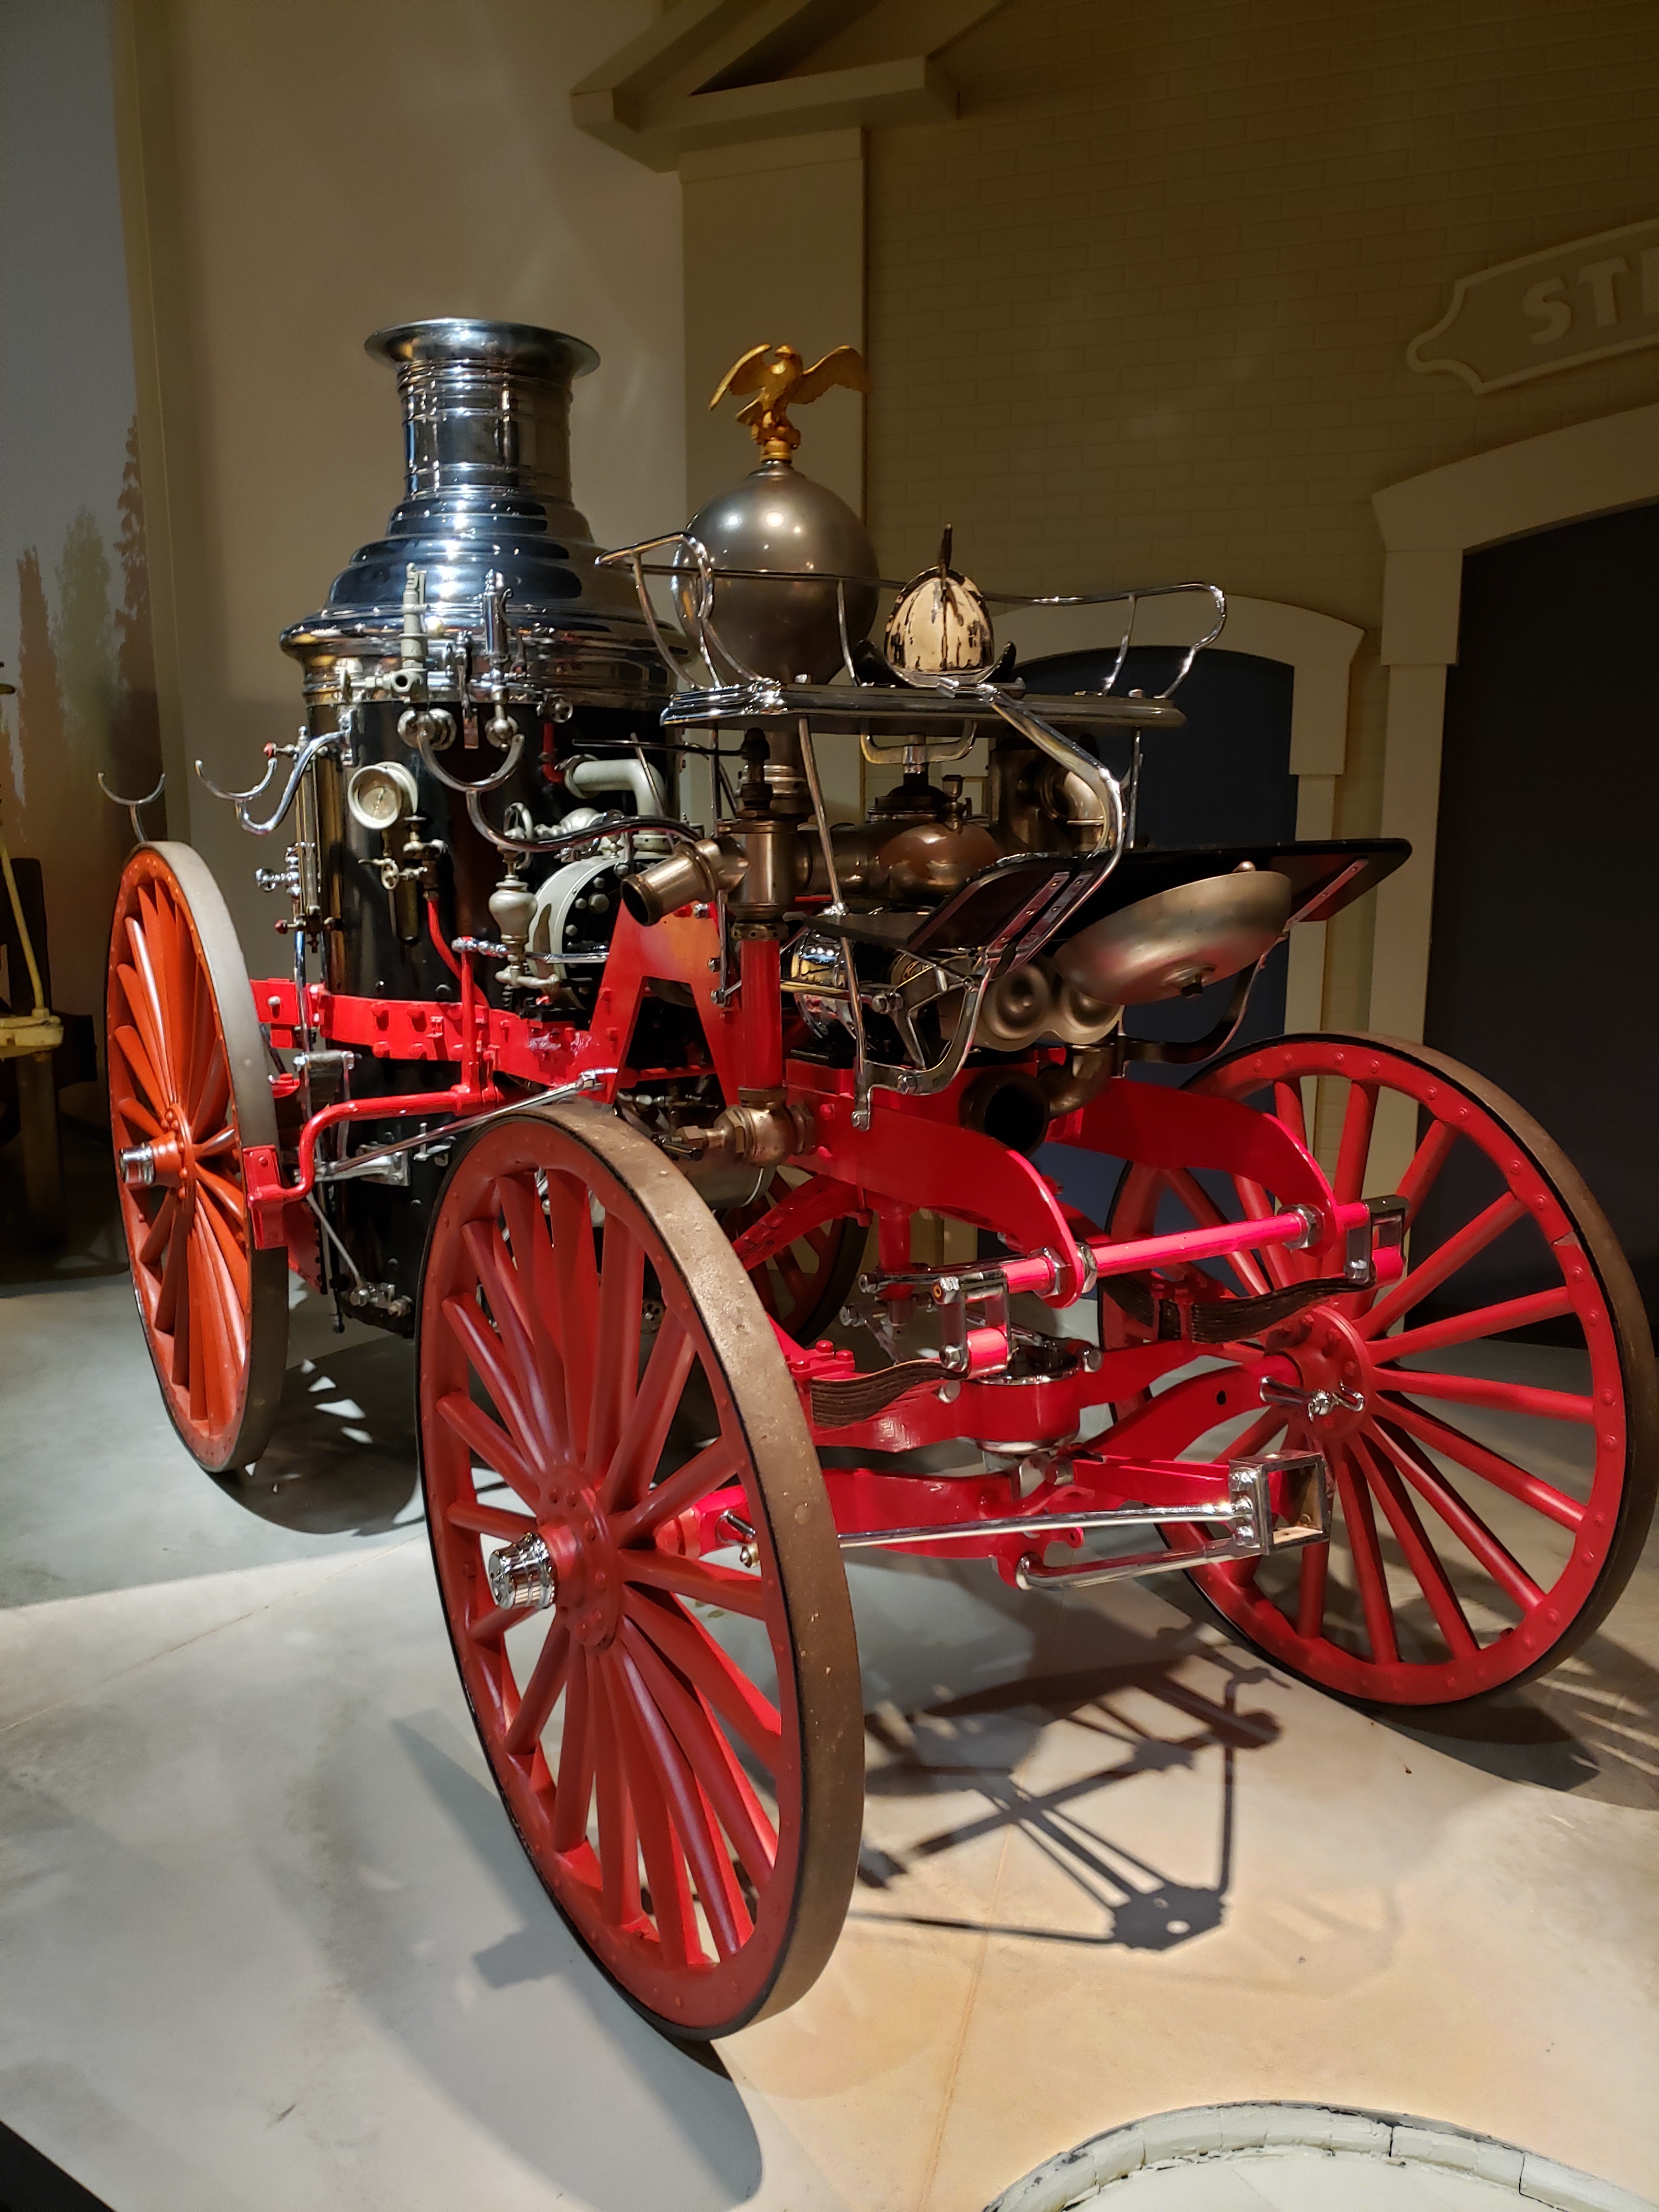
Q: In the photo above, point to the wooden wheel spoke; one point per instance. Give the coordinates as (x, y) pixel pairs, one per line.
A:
(227, 1345)
(489, 1441)
(619, 1783)
(1493, 1391)
(138, 982)
(480, 1520)
(201, 1028)
(1464, 1523)
(1425, 1166)
(1367, 1555)
(540, 1693)
(715, 1465)
(719, 1774)
(615, 1381)
(227, 1196)
(171, 1305)
(1206, 1215)
(483, 1348)
(711, 1671)
(1313, 1574)
(573, 1792)
(690, 1841)
(212, 1094)
(1470, 1327)
(640, 1444)
(697, 1579)
(160, 1230)
(498, 1277)
(1458, 1249)
(535, 1280)
(1478, 1459)
(193, 1371)
(1420, 1555)
(132, 1050)
(1287, 1108)
(489, 1627)
(229, 1244)
(1354, 1152)
(220, 1324)
(136, 1115)
(577, 1278)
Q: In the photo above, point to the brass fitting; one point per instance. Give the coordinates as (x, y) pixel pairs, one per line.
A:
(757, 1136)
(695, 872)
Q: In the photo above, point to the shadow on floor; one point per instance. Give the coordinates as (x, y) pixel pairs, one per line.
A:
(1590, 1726)
(91, 1246)
(571, 2080)
(1139, 1906)
(343, 1457)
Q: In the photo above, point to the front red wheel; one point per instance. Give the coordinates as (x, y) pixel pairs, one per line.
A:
(189, 1090)
(1493, 1421)
(677, 1737)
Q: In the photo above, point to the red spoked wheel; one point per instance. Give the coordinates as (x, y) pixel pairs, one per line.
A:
(188, 1092)
(803, 1279)
(1484, 1521)
(677, 1739)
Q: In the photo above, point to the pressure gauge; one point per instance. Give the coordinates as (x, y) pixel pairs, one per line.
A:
(382, 793)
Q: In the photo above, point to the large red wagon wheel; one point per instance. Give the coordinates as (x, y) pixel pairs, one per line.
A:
(1483, 1523)
(188, 1092)
(801, 1281)
(677, 1739)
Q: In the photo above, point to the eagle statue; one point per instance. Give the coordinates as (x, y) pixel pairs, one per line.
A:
(779, 380)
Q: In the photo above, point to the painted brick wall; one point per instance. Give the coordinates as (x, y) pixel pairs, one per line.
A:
(1143, 311)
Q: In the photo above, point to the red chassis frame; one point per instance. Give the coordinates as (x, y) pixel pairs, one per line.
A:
(915, 1155)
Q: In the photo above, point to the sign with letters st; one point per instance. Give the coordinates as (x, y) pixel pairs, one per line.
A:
(1547, 311)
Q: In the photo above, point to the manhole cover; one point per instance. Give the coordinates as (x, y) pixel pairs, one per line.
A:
(1274, 2158)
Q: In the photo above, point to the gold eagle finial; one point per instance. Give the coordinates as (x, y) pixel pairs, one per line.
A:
(780, 380)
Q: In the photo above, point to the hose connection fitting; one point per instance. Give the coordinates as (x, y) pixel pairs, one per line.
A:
(698, 871)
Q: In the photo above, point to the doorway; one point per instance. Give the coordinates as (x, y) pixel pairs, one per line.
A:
(1546, 918)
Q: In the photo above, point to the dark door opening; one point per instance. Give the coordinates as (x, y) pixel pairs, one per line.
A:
(1546, 933)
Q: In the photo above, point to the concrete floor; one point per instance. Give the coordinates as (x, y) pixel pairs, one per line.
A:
(267, 1940)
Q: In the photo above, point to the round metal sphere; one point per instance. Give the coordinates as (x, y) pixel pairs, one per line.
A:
(781, 523)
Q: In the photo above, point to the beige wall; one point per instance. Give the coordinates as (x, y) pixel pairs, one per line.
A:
(1143, 310)
(743, 294)
(74, 615)
(297, 176)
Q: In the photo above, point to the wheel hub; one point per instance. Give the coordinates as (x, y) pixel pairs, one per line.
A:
(585, 1578)
(522, 1574)
(1333, 1370)
(163, 1161)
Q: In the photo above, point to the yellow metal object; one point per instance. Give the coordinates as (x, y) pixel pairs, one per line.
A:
(39, 1031)
(779, 380)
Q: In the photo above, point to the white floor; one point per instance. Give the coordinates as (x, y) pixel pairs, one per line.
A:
(267, 1941)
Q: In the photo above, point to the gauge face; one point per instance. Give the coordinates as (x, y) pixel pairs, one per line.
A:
(380, 793)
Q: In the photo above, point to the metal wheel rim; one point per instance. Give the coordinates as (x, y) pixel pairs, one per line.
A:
(626, 1655)
(1595, 1286)
(183, 1039)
